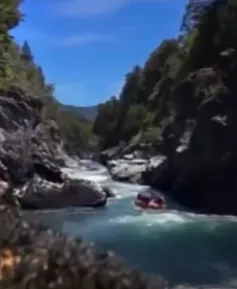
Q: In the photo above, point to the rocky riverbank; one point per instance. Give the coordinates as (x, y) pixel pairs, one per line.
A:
(32, 156)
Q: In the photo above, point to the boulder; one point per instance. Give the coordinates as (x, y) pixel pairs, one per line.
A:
(128, 156)
(48, 171)
(158, 174)
(39, 193)
(109, 154)
(108, 191)
(127, 171)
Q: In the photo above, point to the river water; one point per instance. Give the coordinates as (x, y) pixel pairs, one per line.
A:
(183, 247)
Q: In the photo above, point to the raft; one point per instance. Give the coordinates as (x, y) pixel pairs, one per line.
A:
(147, 201)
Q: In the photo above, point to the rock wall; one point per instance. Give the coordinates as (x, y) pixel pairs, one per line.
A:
(32, 155)
(200, 142)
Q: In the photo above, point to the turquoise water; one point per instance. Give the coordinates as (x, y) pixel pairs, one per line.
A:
(183, 247)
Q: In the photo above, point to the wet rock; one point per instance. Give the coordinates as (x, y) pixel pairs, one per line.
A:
(158, 174)
(109, 154)
(26, 141)
(89, 193)
(48, 171)
(129, 157)
(108, 191)
(127, 170)
(32, 156)
(42, 194)
(129, 152)
(4, 187)
(23, 155)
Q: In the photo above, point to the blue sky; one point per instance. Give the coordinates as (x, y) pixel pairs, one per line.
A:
(87, 46)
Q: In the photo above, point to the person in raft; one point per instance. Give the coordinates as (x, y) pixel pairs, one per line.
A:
(147, 201)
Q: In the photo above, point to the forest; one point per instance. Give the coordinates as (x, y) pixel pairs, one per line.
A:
(149, 97)
(19, 71)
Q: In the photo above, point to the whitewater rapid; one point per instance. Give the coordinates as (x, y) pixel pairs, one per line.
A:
(181, 246)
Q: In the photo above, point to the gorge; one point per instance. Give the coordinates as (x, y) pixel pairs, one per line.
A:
(65, 179)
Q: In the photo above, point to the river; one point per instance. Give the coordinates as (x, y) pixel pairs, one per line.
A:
(183, 247)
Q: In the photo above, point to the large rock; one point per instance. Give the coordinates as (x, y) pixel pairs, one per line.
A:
(25, 139)
(129, 152)
(158, 174)
(31, 157)
(127, 170)
(39, 193)
(23, 153)
(109, 192)
(109, 154)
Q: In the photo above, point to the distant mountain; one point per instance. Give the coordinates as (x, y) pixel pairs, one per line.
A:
(88, 112)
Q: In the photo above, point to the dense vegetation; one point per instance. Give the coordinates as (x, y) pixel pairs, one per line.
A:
(147, 100)
(89, 112)
(18, 70)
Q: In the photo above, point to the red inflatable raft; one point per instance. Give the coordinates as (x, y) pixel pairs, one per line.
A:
(147, 201)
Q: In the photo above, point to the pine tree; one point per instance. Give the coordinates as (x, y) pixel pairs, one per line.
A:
(26, 53)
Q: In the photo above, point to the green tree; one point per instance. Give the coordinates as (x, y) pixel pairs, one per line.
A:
(212, 23)
(10, 15)
(19, 70)
(128, 97)
(105, 122)
(26, 53)
(154, 66)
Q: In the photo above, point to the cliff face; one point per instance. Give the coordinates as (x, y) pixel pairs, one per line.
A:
(32, 155)
(182, 102)
(200, 141)
(197, 141)
(25, 138)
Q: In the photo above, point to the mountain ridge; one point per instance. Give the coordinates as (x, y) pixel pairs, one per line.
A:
(88, 112)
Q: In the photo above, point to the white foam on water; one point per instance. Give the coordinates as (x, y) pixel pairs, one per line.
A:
(123, 190)
(169, 219)
(166, 219)
(99, 175)
(167, 234)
